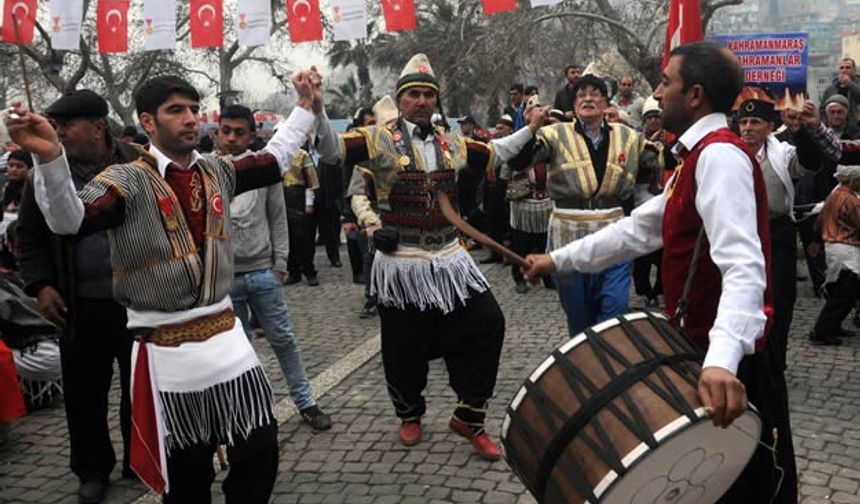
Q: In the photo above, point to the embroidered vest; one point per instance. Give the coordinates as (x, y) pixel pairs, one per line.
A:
(681, 225)
(156, 265)
(405, 190)
(572, 172)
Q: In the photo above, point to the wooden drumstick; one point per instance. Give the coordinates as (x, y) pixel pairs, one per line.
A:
(458, 222)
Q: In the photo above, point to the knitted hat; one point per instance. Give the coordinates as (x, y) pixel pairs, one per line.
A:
(417, 72)
(836, 98)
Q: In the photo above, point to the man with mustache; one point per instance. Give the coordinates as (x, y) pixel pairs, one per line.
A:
(197, 380)
(592, 167)
(433, 301)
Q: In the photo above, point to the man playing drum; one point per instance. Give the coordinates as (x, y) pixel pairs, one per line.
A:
(717, 188)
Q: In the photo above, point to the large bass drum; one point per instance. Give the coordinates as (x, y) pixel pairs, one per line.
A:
(612, 416)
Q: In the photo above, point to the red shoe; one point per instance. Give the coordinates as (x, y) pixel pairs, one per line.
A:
(484, 446)
(410, 433)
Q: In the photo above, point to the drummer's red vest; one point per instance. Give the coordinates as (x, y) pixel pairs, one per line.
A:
(681, 224)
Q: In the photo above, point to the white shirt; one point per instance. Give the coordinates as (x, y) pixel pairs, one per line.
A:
(505, 148)
(725, 200)
(784, 166)
(64, 212)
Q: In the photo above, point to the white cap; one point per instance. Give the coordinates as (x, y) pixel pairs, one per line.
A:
(651, 105)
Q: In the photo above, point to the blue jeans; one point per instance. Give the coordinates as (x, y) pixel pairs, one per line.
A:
(591, 298)
(264, 293)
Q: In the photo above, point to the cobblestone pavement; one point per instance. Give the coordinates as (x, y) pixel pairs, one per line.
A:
(360, 460)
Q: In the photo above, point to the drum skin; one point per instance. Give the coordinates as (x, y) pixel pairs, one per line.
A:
(603, 403)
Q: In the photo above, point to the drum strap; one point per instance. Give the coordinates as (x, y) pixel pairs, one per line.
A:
(681, 310)
(594, 399)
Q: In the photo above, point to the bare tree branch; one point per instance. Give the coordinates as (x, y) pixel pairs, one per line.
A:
(708, 9)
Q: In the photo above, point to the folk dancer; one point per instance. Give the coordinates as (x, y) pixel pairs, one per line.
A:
(433, 300)
(592, 167)
(196, 379)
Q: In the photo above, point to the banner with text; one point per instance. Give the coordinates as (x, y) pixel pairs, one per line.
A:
(775, 62)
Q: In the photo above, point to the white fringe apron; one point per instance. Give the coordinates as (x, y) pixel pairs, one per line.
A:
(197, 392)
(426, 278)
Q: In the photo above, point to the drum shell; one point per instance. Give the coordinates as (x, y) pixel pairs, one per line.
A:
(596, 400)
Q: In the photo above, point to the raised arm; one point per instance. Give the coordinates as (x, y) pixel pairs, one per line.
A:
(813, 139)
(52, 182)
(509, 147)
(272, 163)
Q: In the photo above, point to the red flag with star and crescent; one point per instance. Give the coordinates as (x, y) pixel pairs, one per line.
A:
(495, 6)
(112, 26)
(685, 25)
(20, 13)
(207, 23)
(303, 17)
(399, 15)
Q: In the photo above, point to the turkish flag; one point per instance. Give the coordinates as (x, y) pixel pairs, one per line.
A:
(112, 26)
(20, 13)
(304, 20)
(685, 25)
(399, 15)
(494, 6)
(207, 23)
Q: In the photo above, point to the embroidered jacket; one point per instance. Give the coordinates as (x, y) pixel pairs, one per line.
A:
(300, 184)
(156, 265)
(302, 172)
(572, 171)
(405, 191)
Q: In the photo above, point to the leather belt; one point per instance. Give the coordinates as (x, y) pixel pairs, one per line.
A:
(196, 330)
(430, 240)
(579, 203)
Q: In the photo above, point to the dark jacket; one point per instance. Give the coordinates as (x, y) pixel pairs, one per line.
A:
(564, 99)
(47, 258)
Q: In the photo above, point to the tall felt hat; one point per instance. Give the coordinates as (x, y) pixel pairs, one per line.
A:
(417, 72)
(758, 108)
(385, 110)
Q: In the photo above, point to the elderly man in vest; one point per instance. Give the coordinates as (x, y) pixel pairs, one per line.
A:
(592, 167)
(433, 300)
